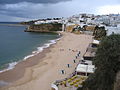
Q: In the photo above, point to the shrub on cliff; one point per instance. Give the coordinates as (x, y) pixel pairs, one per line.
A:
(99, 33)
(107, 62)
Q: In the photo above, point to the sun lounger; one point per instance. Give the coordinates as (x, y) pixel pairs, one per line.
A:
(76, 85)
(69, 80)
(71, 83)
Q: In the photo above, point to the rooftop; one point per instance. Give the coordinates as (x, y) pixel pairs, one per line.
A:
(85, 68)
(96, 42)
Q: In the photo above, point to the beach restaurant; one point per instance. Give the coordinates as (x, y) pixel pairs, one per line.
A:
(91, 50)
(85, 70)
(95, 43)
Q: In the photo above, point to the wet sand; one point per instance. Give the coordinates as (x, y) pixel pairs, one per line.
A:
(41, 70)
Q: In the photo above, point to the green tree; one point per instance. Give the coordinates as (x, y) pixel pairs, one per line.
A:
(107, 62)
(99, 32)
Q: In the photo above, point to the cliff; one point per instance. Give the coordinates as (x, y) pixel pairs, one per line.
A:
(51, 27)
(117, 82)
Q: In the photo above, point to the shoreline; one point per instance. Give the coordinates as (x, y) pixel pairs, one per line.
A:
(13, 74)
(36, 68)
(33, 53)
(23, 65)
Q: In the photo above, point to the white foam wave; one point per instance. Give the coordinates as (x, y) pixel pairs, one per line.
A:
(10, 66)
(26, 57)
(39, 49)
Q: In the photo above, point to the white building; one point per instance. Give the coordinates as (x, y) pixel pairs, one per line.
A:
(85, 70)
(48, 21)
(111, 30)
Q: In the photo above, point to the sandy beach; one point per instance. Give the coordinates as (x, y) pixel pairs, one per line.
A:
(41, 70)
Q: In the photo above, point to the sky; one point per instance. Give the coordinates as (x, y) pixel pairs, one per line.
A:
(24, 10)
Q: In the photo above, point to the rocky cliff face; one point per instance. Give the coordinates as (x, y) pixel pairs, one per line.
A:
(117, 82)
(44, 28)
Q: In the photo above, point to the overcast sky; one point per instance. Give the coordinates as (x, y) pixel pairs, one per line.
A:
(22, 10)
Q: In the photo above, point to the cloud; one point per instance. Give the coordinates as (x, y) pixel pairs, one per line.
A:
(109, 9)
(32, 1)
(52, 8)
(32, 10)
(6, 18)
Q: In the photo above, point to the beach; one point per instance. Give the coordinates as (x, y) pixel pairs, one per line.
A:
(41, 70)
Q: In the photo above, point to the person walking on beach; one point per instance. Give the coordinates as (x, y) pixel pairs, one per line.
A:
(76, 57)
(79, 52)
(74, 61)
(63, 72)
(68, 65)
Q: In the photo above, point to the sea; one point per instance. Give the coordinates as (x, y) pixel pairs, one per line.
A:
(17, 45)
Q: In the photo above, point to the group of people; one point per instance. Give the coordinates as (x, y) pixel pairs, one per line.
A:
(74, 61)
(73, 50)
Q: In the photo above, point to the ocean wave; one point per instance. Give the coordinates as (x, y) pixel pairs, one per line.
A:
(39, 49)
(10, 66)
